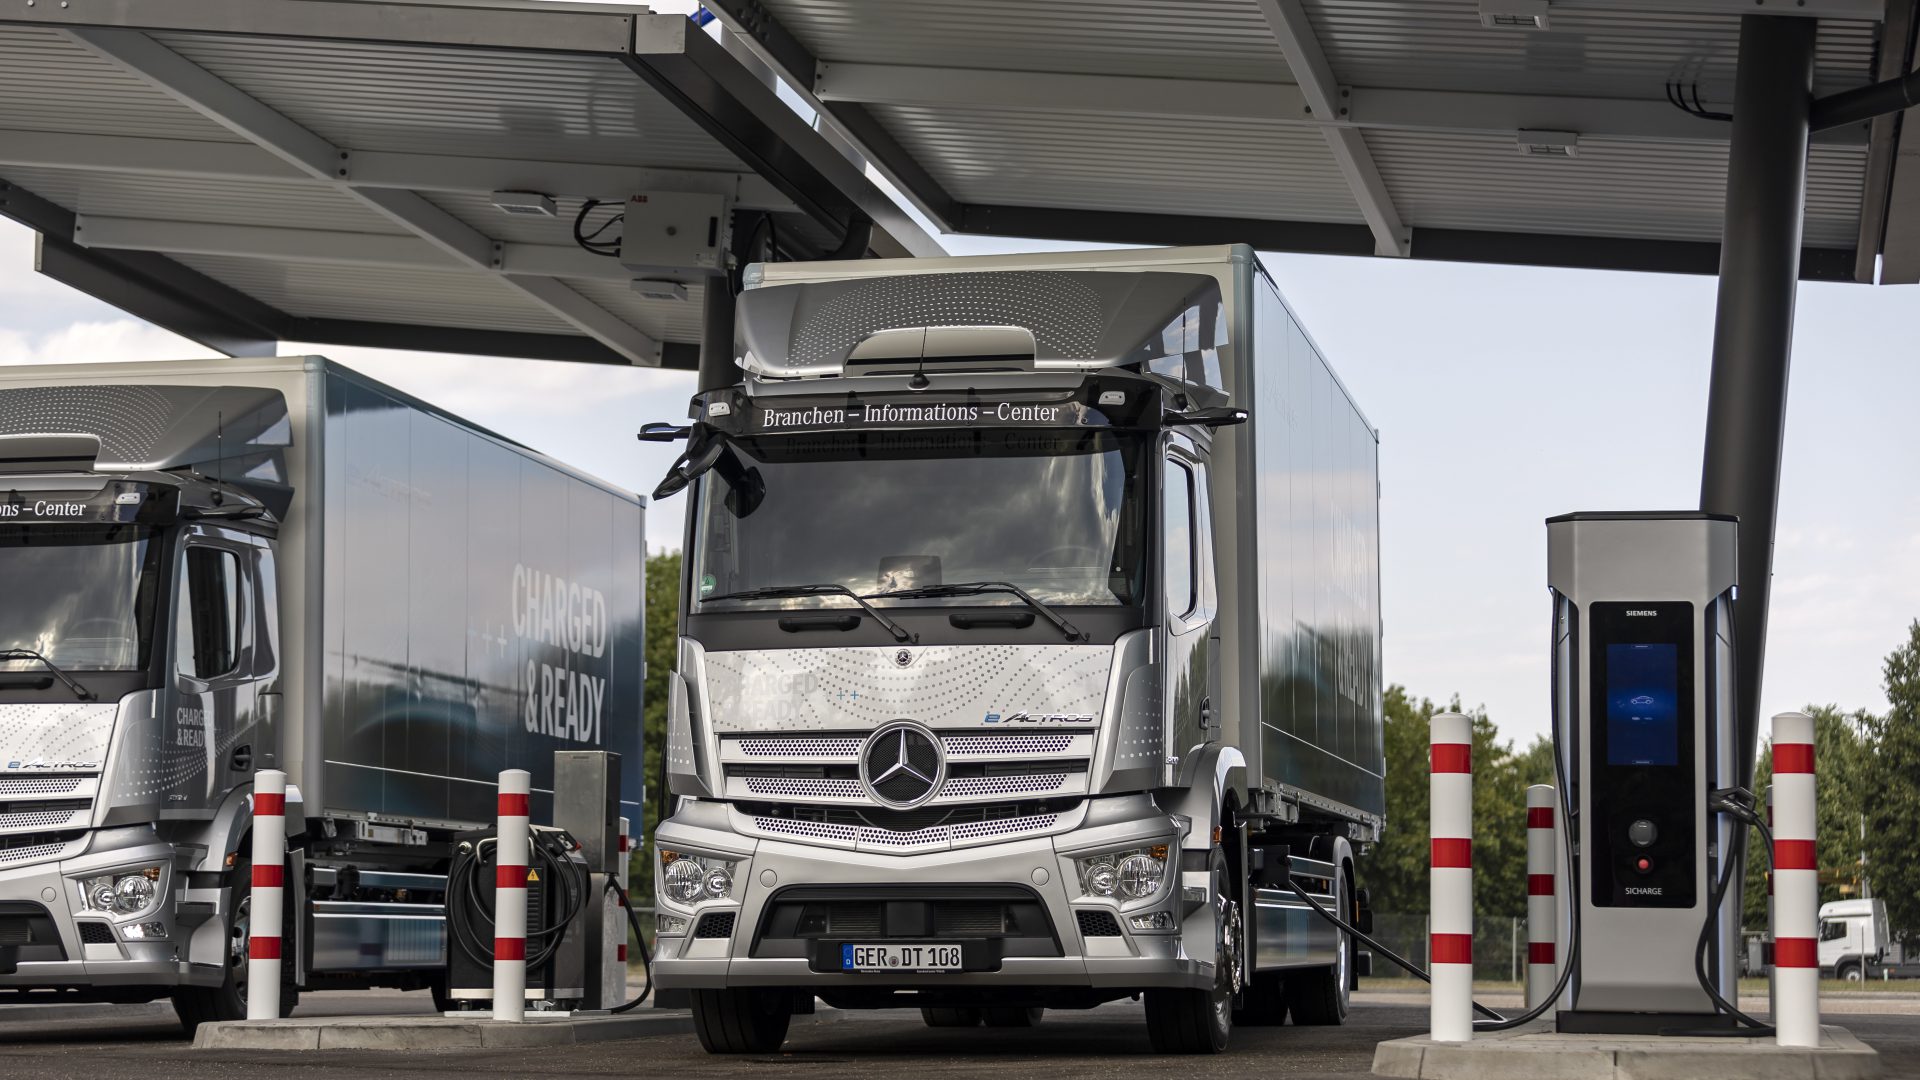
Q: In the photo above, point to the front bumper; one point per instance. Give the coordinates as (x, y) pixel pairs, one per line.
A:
(44, 896)
(1043, 866)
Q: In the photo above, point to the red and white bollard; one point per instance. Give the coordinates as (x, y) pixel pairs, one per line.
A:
(510, 855)
(1543, 907)
(1796, 885)
(266, 889)
(1451, 889)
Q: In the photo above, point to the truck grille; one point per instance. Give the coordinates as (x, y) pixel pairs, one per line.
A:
(980, 768)
(19, 850)
(1010, 914)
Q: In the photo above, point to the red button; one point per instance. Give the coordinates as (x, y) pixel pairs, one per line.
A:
(1645, 864)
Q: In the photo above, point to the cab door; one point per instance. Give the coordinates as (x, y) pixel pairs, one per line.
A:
(206, 739)
(1189, 602)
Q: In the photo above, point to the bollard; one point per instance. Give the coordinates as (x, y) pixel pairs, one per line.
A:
(1543, 905)
(510, 856)
(265, 891)
(1796, 885)
(1450, 941)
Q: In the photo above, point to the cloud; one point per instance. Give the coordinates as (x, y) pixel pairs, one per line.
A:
(98, 342)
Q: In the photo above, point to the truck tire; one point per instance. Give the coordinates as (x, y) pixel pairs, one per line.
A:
(950, 1018)
(1318, 997)
(1013, 1017)
(1190, 1021)
(1265, 1002)
(196, 1005)
(741, 1021)
(1849, 971)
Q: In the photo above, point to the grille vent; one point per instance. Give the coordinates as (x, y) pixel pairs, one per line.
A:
(95, 933)
(715, 924)
(1097, 924)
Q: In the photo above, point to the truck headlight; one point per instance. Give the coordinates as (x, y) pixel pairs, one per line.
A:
(688, 879)
(122, 894)
(1132, 874)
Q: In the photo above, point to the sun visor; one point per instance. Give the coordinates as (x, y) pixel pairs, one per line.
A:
(979, 320)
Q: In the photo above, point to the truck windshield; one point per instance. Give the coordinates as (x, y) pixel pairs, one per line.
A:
(1057, 513)
(80, 595)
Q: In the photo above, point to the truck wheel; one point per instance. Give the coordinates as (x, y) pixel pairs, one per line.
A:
(196, 1005)
(1318, 997)
(1013, 1018)
(741, 1021)
(950, 1018)
(1186, 1021)
(1849, 972)
(1265, 1002)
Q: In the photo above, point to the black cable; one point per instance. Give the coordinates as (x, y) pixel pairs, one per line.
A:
(1300, 890)
(640, 939)
(609, 248)
(1737, 804)
(463, 887)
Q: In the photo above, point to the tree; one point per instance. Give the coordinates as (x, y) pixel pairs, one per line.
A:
(1396, 872)
(1889, 789)
(1840, 755)
(662, 638)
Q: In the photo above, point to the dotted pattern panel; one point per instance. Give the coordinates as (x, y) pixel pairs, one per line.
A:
(56, 732)
(1064, 315)
(130, 420)
(799, 748)
(1006, 745)
(1139, 742)
(52, 785)
(972, 787)
(42, 819)
(800, 788)
(935, 838)
(39, 852)
(778, 690)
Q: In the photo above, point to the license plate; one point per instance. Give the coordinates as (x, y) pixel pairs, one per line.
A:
(914, 958)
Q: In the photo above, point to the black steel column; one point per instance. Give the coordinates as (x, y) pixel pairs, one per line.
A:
(1753, 326)
(716, 336)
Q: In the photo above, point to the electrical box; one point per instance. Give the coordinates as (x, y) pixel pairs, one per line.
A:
(558, 887)
(676, 232)
(1643, 676)
(586, 803)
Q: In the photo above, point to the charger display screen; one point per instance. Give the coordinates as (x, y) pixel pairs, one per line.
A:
(1643, 717)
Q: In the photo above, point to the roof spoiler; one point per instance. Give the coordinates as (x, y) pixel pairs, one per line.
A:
(49, 453)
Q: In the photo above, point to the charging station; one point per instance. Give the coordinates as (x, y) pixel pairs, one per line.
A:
(1643, 672)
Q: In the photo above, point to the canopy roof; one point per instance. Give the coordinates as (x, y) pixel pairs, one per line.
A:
(1521, 131)
(249, 171)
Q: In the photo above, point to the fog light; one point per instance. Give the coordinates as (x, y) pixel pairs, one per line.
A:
(719, 882)
(669, 925)
(1101, 879)
(1153, 920)
(146, 931)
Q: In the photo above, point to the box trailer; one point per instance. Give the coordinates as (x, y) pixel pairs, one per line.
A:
(1030, 654)
(217, 567)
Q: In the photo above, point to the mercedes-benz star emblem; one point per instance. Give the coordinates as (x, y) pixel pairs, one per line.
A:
(902, 765)
(903, 658)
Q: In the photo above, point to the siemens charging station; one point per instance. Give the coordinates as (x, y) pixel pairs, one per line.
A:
(1643, 694)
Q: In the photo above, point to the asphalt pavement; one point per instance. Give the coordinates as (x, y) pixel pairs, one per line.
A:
(1103, 1044)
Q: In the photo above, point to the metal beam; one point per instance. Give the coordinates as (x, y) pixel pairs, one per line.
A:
(1288, 21)
(779, 49)
(717, 92)
(276, 133)
(1860, 10)
(1753, 325)
(376, 168)
(515, 27)
(572, 348)
(1893, 60)
(408, 252)
(1272, 103)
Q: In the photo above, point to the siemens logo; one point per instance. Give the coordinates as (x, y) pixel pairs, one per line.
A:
(1643, 611)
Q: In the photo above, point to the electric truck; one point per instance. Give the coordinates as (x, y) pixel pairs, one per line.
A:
(211, 568)
(1029, 654)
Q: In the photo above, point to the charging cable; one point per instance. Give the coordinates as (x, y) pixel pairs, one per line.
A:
(639, 939)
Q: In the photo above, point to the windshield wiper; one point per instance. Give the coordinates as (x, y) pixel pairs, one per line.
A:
(971, 588)
(79, 691)
(778, 592)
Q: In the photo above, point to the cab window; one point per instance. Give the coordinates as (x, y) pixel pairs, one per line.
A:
(1177, 538)
(209, 606)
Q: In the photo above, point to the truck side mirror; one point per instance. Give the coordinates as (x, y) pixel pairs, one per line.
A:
(1218, 416)
(661, 432)
(696, 460)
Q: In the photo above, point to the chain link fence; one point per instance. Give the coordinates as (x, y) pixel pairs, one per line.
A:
(1499, 946)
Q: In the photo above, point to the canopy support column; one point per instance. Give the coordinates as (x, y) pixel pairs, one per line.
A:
(1753, 324)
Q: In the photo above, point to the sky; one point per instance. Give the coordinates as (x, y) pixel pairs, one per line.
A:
(1503, 395)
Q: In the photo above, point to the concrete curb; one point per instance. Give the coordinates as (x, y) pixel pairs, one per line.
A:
(407, 1033)
(1540, 1054)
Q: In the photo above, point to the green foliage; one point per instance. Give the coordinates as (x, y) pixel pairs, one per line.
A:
(663, 633)
(1396, 872)
(1890, 786)
(1840, 755)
